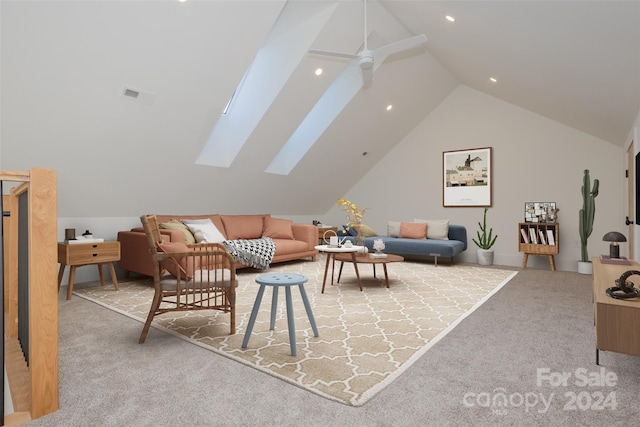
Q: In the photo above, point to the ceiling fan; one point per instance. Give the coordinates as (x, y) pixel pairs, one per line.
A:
(366, 57)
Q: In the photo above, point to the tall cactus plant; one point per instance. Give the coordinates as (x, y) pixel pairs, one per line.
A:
(485, 241)
(587, 213)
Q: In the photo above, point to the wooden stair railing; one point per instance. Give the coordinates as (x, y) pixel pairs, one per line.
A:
(37, 189)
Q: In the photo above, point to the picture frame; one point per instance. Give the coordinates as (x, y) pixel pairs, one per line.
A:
(540, 212)
(467, 178)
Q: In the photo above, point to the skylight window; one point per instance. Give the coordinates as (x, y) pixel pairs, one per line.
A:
(290, 39)
(228, 106)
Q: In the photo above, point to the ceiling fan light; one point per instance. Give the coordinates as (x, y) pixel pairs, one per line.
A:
(366, 61)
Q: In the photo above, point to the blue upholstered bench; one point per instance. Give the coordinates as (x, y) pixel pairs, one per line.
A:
(418, 248)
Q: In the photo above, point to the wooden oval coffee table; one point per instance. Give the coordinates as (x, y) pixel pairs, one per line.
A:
(366, 259)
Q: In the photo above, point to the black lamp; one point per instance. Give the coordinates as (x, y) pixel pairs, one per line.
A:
(614, 237)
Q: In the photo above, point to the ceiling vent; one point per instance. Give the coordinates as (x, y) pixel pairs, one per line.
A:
(139, 95)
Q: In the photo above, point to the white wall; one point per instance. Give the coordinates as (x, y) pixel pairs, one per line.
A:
(534, 160)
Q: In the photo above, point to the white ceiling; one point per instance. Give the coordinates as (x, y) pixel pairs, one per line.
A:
(65, 63)
(576, 62)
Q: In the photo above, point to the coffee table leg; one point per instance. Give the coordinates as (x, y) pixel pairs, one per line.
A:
(355, 266)
(386, 276)
(340, 271)
(333, 266)
(326, 269)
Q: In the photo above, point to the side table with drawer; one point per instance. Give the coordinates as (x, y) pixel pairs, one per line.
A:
(81, 254)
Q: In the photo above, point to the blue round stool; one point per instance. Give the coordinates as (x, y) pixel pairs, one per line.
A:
(277, 280)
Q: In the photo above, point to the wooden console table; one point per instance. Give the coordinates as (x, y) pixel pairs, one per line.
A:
(617, 321)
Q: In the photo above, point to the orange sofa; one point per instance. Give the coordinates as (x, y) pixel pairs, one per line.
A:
(293, 241)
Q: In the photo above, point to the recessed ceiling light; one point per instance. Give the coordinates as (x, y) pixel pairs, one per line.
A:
(450, 18)
(318, 71)
(493, 79)
(182, 1)
(389, 107)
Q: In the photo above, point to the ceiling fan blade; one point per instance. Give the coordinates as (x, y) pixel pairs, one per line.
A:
(400, 46)
(367, 77)
(333, 54)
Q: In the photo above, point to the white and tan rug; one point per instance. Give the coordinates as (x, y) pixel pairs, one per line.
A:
(367, 339)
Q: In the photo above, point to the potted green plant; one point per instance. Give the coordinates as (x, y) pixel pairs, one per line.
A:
(485, 241)
(586, 216)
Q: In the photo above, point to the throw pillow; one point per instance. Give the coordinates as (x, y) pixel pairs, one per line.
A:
(393, 228)
(204, 231)
(436, 228)
(278, 228)
(344, 232)
(413, 230)
(182, 264)
(174, 224)
(367, 231)
(243, 226)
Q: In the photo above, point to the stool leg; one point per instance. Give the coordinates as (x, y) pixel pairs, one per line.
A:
(307, 307)
(252, 318)
(274, 307)
(291, 321)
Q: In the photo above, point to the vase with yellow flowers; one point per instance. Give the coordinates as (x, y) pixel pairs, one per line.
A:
(354, 218)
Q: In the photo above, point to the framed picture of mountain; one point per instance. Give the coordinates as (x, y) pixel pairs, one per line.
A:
(466, 177)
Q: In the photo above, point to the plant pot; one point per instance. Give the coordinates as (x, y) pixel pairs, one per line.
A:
(585, 267)
(485, 256)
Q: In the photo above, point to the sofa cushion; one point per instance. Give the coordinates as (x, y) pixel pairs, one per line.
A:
(277, 228)
(204, 230)
(174, 224)
(413, 230)
(243, 226)
(436, 228)
(184, 265)
(393, 228)
(288, 246)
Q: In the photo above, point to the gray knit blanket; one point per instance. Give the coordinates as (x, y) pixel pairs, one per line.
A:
(256, 253)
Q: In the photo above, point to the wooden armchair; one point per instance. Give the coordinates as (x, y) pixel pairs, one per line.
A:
(194, 277)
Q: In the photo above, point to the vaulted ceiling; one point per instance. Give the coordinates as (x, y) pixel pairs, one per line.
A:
(66, 64)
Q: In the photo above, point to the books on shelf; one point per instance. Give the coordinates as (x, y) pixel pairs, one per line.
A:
(542, 239)
(525, 238)
(532, 234)
(550, 237)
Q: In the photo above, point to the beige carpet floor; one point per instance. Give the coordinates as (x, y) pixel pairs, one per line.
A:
(367, 339)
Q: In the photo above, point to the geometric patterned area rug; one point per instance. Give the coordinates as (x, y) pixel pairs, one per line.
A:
(367, 339)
